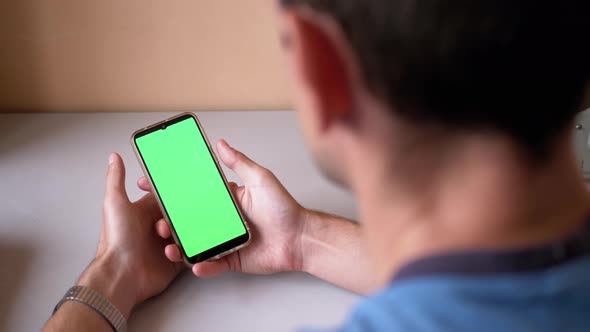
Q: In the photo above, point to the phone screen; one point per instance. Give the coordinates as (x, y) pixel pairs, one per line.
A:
(190, 186)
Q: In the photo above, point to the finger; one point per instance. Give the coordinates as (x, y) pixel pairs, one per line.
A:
(211, 269)
(115, 183)
(237, 191)
(162, 229)
(245, 168)
(172, 252)
(144, 184)
(233, 187)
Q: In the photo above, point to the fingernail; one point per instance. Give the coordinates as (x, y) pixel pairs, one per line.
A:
(112, 158)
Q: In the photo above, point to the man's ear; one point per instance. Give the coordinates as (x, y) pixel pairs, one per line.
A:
(320, 60)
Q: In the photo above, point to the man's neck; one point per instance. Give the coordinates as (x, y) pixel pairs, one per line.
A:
(479, 195)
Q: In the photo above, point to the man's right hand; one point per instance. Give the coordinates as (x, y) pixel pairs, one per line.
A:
(276, 221)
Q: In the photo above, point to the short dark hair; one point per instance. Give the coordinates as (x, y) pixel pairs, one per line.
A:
(515, 67)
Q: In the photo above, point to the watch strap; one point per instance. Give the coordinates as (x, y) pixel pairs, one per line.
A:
(99, 303)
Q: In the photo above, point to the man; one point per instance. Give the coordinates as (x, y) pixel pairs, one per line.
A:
(449, 120)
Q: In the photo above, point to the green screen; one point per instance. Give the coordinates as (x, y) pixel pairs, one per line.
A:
(190, 187)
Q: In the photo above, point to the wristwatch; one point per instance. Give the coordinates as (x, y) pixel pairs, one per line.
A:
(99, 303)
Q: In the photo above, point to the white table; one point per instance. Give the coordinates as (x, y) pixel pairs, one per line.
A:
(52, 169)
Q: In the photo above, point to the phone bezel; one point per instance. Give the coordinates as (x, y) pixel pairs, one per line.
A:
(217, 251)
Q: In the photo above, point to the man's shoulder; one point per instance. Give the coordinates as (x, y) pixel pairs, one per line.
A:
(400, 307)
(494, 303)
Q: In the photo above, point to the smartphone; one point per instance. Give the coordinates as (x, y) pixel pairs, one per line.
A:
(191, 188)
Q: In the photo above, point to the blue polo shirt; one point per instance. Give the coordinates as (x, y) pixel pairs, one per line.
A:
(540, 289)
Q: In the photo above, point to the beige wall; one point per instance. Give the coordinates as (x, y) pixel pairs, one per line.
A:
(136, 55)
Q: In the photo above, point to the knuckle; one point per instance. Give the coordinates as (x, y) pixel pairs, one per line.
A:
(112, 200)
(262, 174)
(108, 201)
(266, 173)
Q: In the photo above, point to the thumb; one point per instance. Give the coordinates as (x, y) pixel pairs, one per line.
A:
(248, 171)
(116, 178)
(211, 269)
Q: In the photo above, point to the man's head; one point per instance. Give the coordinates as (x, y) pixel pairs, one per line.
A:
(516, 69)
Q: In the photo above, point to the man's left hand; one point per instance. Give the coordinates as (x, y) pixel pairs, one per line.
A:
(130, 265)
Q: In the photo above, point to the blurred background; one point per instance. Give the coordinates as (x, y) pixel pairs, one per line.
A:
(109, 67)
(139, 55)
(80, 57)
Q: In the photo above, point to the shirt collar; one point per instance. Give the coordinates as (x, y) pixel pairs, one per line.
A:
(486, 262)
